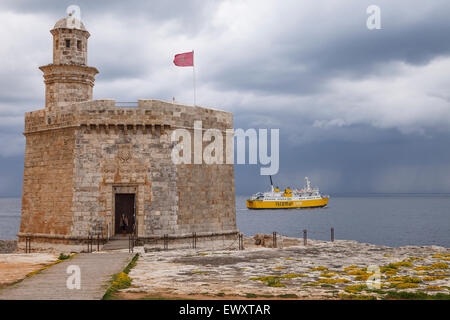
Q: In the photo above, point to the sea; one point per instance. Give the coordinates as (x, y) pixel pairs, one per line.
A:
(391, 220)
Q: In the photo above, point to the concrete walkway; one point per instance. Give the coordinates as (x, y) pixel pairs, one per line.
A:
(96, 270)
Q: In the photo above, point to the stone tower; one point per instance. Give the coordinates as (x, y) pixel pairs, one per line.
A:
(68, 79)
(88, 162)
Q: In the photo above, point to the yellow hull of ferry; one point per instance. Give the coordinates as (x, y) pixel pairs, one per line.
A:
(287, 204)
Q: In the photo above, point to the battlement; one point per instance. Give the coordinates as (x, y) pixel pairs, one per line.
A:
(106, 115)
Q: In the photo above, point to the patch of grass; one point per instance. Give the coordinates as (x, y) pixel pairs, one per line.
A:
(395, 295)
(63, 256)
(326, 285)
(441, 256)
(363, 277)
(388, 270)
(327, 275)
(440, 272)
(356, 272)
(377, 291)
(353, 266)
(434, 288)
(355, 288)
(288, 296)
(440, 265)
(423, 268)
(292, 275)
(396, 265)
(405, 279)
(132, 264)
(433, 277)
(275, 283)
(220, 294)
(279, 268)
(310, 284)
(120, 280)
(356, 297)
(319, 269)
(263, 279)
(414, 259)
(332, 281)
(404, 285)
(250, 295)
(271, 281)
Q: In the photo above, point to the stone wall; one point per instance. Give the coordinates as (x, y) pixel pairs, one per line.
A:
(48, 182)
(80, 155)
(76, 53)
(105, 164)
(67, 84)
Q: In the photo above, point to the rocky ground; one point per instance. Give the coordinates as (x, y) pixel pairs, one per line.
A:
(320, 270)
(8, 246)
(14, 267)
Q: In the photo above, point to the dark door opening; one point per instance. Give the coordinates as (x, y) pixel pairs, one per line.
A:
(124, 205)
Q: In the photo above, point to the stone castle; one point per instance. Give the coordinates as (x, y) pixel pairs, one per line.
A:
(87, 162)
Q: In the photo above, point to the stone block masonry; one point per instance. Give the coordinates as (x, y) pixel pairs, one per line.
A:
(81, 153)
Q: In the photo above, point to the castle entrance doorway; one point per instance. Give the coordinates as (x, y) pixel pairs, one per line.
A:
(124, 204)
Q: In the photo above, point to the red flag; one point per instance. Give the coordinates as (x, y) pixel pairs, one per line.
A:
(184, 59)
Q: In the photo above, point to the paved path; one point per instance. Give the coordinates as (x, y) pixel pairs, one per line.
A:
(96, 270)
(117, 242)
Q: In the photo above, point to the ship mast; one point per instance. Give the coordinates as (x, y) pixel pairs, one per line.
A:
(308, 184)
(271, 183)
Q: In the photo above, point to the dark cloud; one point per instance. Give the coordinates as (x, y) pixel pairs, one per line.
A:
(358, 110)
(190, 14)
(302, 59)
(337, 166)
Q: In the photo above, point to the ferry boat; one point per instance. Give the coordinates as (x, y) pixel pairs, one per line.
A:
(289, 199)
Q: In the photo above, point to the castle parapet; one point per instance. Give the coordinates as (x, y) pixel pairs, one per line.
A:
(105, 115)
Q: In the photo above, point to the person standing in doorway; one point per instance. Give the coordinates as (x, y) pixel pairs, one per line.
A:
(124, 223)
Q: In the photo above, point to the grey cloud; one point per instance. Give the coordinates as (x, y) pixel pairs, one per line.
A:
(343, 48)
(298, 66)
(190, 13)
(340, 166)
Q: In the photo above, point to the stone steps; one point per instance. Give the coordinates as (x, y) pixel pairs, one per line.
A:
(117, 242)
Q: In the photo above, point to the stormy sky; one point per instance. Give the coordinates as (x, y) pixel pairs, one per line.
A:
(359, 111)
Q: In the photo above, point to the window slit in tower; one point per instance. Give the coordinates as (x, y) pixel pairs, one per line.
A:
(67, 43)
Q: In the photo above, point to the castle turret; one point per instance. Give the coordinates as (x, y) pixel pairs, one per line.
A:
(68, 79)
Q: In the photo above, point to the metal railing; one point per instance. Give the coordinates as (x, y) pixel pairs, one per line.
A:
(27, 245)
(127, 104)
(231, 241)
(132, 238)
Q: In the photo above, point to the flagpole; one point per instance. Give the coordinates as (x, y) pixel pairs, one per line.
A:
(193, 72)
